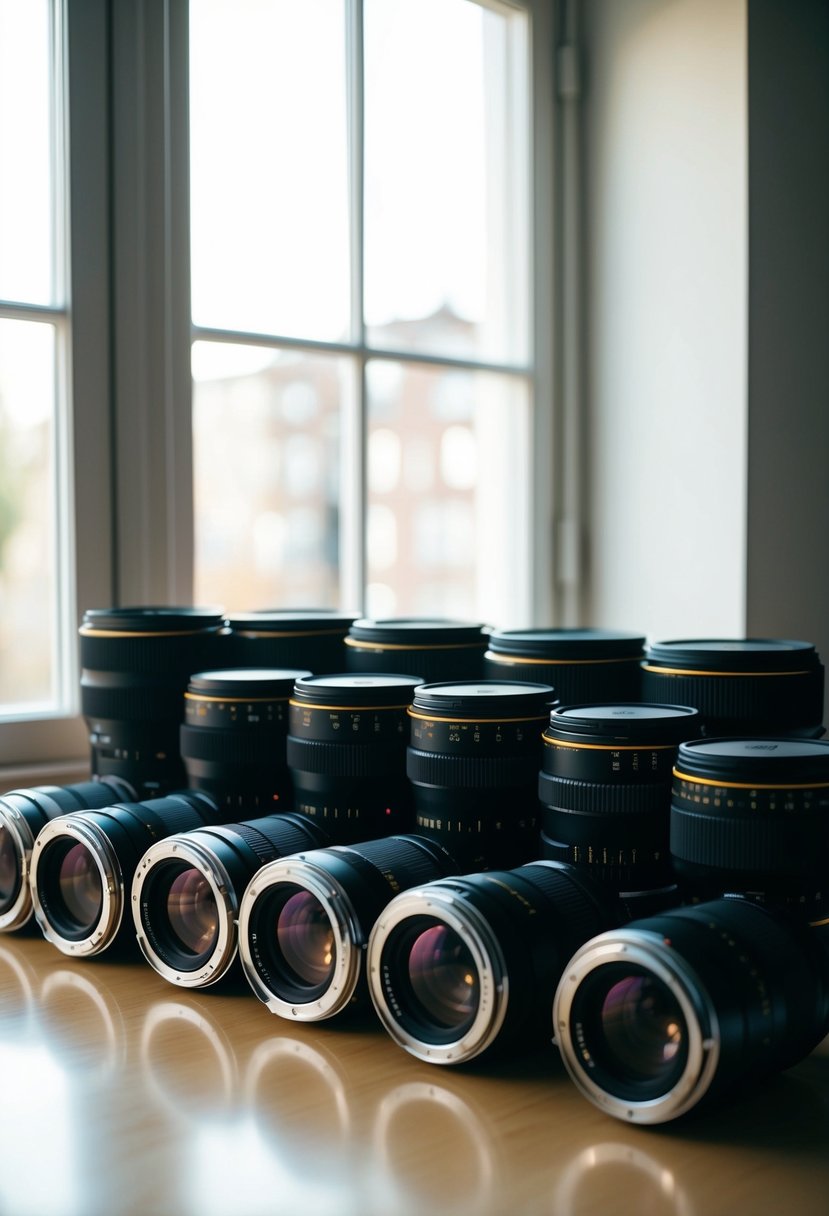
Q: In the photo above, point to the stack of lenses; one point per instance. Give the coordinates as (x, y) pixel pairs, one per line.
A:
(672, 1012)
(605, 785)
(473, 760)
(22, 815)
(310, 639)
(346, 750)
(463, 964)
(752, 816)
(742, 687)
(187, 889)
(431, 649)
(304, 922)
(233, 739)
(136, 663)
(581, 664)
(83, 864)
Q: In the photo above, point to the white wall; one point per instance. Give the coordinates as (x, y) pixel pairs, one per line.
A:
(665, 156)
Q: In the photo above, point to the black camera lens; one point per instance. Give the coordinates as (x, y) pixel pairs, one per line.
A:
(473, 760)
(463, 964)
(432, 649)
(304, 921)
(187, 889)
(751, 816)
(82, 867)
(605, 786)
(22, 815)
(581, 664)
(741, 686)
(306, 638)
(671, 1012)
(233, 740)
(135, 666)
(346, 750)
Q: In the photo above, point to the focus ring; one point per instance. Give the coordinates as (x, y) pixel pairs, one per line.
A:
(242, 746)
(420, 864)
(587, 797)
(790, 845)
(342, 759)
(795, 698)
(482, 772)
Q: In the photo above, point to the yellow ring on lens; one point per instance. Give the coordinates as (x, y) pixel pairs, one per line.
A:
(755, 785)
(286, 633)
(88, 631)
(493, 656)
(361, 645)
(474, 721)
(612, 747)
(335, 709)
(197, 696)
(682, 671)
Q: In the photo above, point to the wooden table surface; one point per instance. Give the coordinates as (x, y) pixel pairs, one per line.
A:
(124, 1094)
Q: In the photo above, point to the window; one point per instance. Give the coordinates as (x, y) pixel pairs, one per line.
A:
(269, 296)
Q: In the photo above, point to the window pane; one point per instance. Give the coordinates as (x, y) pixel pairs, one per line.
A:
(447, 493)
(28, 566)
(26, 237)
(266, 452)
(269, 179)
(445, 178)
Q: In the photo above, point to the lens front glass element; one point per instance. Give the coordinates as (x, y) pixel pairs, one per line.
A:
(192, 912)
(443, 978)
(632, 1032)
(305, 940)
(80, 894)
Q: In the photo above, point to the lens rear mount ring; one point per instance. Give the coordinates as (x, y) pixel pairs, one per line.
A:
(444, 905)
(179, 849)
(100, 848)
(349, 934)
(21, 910)
(654, 954)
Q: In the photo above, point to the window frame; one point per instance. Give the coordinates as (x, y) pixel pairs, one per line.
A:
(131, 535)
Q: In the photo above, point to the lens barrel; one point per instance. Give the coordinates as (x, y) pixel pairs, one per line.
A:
(346, 750)
(304, 921)
(22, 815)
(233, 740)
(187, 889)
(308, 639)
(83, 864)
(136, 663)
(581, 664)
(464, 964)
(473, 761)
(741, 686)
(672, 1012)
(751, 816)
(605, 786)
(430, 648)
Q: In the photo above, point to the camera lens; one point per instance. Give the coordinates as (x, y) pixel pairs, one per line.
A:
(83, 864)
(463, 964)
(307, 638)
(473, 760)
(751, 816)
(346, 750)
(187, 889)
(233, 740)
(605, 786)
(673, 1011)
(304, 921)
(135, 666)
(22, 814)
(581, 664)
(743, 686)
(432, 649)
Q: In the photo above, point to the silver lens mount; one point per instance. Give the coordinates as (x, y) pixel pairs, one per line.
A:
(190, 854)
(442, 904)
(349, 940)
(652, 954)
(22, 839)
(76, 828)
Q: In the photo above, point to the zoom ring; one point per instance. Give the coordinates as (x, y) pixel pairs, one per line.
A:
(175, 656)
(285, 838)
(342, 759)
(578, 912)
(468, 772)
(241, 746)
(772, 846)
(587, 797)
(145, 705)
(419, 864)
(795, 698)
